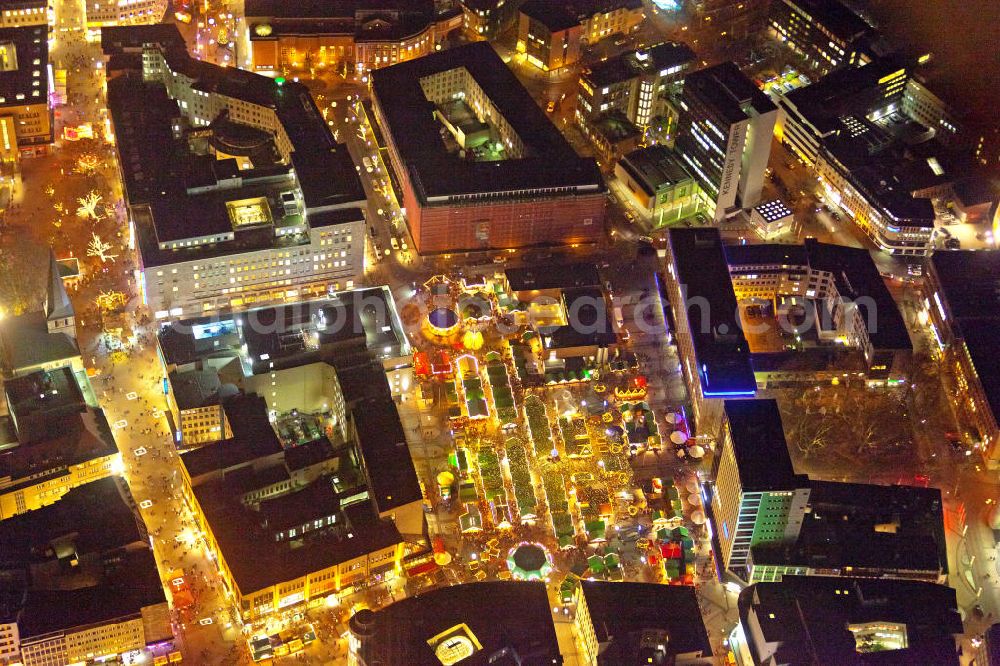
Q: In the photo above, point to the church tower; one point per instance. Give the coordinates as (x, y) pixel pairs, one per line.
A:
(59, 314)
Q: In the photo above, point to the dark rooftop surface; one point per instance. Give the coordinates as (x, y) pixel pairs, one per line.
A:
(25, 341)
(856, 276)
(97, 517)
(835, 16)
(94, 523)
(73, 437)
(499, 614)
(727, 91)
(152, 158)
(629, 65)
(721, 350)
(808, 618)
(392, 479)
(560, 276)
(654, 167)
(550, 161)
(552, 15)
(867, 526)
(253, 438)
(589, 323)
(842, 92)
(30, 79)
(760, 448)
(622, 611)
(257, 560)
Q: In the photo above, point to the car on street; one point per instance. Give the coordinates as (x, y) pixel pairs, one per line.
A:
(550, 107)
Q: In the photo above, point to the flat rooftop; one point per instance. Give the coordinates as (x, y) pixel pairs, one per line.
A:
(552, 15)
(156, 164)
(727, 92)
(549, 161)
(835, 16)
(392, 479)
(89, 523)
(257, 560)
(721, 349)
(811, 615)
(867, 527)
(654, 167)
(498, 614)
(560, 276)
(621, 612)
(660, 59)
(24, 60)
(760, 447)
(253, 438)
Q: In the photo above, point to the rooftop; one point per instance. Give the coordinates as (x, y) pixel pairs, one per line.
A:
(662, 59)
(258, 560)
(773, 210)
(24, 59)
(727, 92)
(722, 352)
(392, 479)
(253, 438)
(157, 159)
(375, 20)
(560, 276)
(437, 175)
(835, 16)
(808, 619)
(25, 342)
(654, 167)
(553, 15)
(516, 618)
(622, 612)
(760, 448)
(86, 557)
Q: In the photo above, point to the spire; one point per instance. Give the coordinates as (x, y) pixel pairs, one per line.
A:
(57, 303)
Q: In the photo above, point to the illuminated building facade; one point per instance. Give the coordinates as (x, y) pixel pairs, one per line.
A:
(104, 13)
(724, 136)
(715, 356)
(486, 19)
(26, 122)
(258, 205)
(756, 498)
(524, 186)
(80, 581)
(962, 305)
(23, 13)
(825, 32)
(636, 84)
(361, 35)
(548, 35)
(658, 182)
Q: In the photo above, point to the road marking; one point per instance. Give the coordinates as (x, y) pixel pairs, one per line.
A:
(141, 451)
(157, 414)
(205, 621)
(145, 504)
(132, 395)
(120, 424)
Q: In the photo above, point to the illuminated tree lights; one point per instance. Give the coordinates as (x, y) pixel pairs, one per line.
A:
(98, 248)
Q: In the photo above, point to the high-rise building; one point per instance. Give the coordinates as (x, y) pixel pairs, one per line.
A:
(756, 498)
(238, 194)
(724, 136)
(963, 302)
(825, 32)
(715, 356)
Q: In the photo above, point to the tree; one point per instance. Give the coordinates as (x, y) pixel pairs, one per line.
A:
(87, 164)
(98, 248)
(88, 206)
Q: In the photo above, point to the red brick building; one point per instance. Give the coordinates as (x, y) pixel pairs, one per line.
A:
(494, 174)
